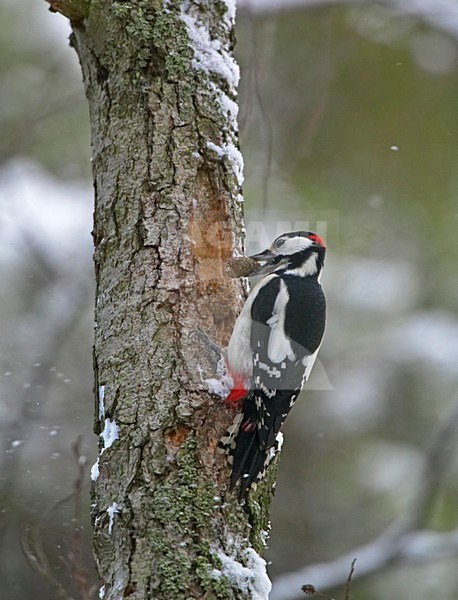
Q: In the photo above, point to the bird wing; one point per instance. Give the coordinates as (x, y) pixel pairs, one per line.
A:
(287, 328)
(287, 325)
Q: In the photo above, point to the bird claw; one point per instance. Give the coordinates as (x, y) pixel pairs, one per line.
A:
(214, 351)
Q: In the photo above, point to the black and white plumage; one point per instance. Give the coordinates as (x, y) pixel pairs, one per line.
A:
(272, 350)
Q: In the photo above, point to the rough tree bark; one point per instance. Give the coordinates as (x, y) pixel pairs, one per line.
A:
(160, 80)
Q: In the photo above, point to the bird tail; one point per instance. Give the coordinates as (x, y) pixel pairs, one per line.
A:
(247, 460)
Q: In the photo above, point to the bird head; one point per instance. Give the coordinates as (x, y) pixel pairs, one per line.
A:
(296, 253)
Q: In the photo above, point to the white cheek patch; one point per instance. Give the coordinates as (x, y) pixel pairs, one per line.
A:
(279, 346)
(293, 245)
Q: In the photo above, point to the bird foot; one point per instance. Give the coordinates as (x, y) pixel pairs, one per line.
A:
(214, 352)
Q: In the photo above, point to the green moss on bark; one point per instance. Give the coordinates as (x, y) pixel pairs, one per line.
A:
(186, 502)
(258, 505)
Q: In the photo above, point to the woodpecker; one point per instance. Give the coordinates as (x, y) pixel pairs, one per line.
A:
(272, 349)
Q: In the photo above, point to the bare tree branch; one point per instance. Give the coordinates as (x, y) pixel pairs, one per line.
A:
(415, 548)
(404, 541)
(32, 547)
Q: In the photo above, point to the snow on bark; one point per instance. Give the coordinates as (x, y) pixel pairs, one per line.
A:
(250, 577)
(109, 434)
(210, 55)
(214, 57)
(229, 17)
(233, 154)
(95, 471)
(101, 402)
(112, 510)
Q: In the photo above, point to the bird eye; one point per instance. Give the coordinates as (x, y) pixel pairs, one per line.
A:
(279, 243)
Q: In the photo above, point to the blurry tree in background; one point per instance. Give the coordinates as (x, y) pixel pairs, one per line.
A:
(348, 119)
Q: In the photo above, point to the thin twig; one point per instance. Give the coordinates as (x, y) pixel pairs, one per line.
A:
(350, 575)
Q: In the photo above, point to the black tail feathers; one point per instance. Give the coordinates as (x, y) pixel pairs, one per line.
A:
(249, 461)
(241, 444)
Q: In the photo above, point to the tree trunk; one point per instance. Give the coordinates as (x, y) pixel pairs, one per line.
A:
(161, 84)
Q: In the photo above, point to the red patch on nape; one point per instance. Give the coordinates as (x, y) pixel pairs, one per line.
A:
(317, 239)
(238, 392)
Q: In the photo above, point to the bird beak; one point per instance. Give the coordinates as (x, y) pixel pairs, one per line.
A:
(272, 262)
(265, 255)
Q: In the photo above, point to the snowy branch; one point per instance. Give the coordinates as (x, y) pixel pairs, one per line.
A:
(414, 548)
(440, 14)
(404, 541)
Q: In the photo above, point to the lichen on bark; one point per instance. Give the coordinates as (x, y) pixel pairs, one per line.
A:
(160, 81)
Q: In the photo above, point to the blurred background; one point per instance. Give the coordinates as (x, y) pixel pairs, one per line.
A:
(349, 126)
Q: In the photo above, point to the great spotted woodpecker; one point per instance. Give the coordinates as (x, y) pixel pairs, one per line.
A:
(272, 349)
